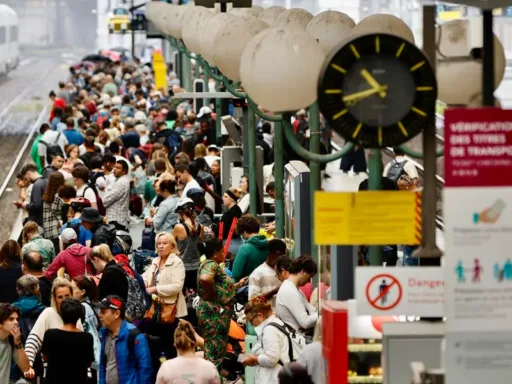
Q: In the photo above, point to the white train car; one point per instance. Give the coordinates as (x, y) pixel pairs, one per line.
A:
(9, 50)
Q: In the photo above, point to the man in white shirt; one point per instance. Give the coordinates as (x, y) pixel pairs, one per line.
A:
(263, 280)
(185, 178)
(401, 166)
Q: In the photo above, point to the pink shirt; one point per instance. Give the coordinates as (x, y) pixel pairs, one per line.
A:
(185, 370)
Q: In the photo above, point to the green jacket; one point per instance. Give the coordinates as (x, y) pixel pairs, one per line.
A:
(34, 154)
(249, 257)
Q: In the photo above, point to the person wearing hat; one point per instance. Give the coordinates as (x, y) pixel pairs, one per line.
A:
(188, 233)
(213, 154)
(102, 232)
(72, 258)
(121, 362)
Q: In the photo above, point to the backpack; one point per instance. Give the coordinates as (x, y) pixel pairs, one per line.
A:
(26, 323)
(172, 142)
(136, 206)
(98, 321)
(76, 227)
(99, 201)
(396, 170)
(105, 234)
(156, 349)
(136, 301)
(52, 149)
(283, 329)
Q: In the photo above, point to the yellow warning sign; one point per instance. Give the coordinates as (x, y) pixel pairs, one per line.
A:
(366, 218)
(160, 69)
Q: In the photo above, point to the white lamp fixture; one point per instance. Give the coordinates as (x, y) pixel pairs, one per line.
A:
(295, 18)
(279, 69)
(241, 12)
(460, 82)
(166, 15)
(209, 33)
(156, 12)
(230, 42)
(256, 10)
(384, 24)
(193, 29)
(330, 28)
(175, 22)
(271, 14)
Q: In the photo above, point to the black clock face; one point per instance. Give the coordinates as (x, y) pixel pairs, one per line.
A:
(378, 90)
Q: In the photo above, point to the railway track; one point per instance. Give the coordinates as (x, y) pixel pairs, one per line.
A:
(23, 108)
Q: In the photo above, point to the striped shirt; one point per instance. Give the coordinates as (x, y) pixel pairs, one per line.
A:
(262, 280)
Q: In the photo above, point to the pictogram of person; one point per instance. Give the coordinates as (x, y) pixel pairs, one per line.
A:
(459, 269)
(383, 290)
(477, 271)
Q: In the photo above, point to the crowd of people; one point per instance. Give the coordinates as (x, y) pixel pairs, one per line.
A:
(79, 305)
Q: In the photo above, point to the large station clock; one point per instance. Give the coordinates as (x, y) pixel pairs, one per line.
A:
(378, 90)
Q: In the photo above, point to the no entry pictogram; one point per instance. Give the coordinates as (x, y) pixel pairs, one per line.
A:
(378, 298)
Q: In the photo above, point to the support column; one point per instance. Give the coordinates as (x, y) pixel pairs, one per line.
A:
(186, 73)
(488, 59)
(343, 267)
(279, 178)
(429, 254)
(251, 148)
(314, 174)
(375, 184)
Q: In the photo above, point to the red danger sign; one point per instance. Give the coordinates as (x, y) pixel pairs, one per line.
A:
(384, 292)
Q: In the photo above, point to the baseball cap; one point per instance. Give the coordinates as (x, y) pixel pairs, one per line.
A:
(183, 202)
(112, 302)
(68, 235)
(204, 111)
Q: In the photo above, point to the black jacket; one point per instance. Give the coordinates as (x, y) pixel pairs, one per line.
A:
(113, 282)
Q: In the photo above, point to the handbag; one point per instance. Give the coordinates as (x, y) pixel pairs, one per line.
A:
(161, 312)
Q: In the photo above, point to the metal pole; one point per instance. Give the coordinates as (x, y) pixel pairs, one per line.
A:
(343, 266)
(314, 173)
(186, 72)
(133, 32)
(375, 184)
(488, 59)
(251, 148)
(279, 178)
(429, 254)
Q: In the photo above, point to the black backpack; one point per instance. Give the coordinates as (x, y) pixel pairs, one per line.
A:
(52, 150)
(156, 349)
(26, 322)
(105, 234)
(284, 330)
(396, 170)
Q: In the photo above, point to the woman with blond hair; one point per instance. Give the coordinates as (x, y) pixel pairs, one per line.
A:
(48, 319)
(164, 281)
(312, 358)
(33, 241)
(196, 369)
(199, 151)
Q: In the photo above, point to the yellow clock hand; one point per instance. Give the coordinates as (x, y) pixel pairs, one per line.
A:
(364, 94)
(371, 80)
